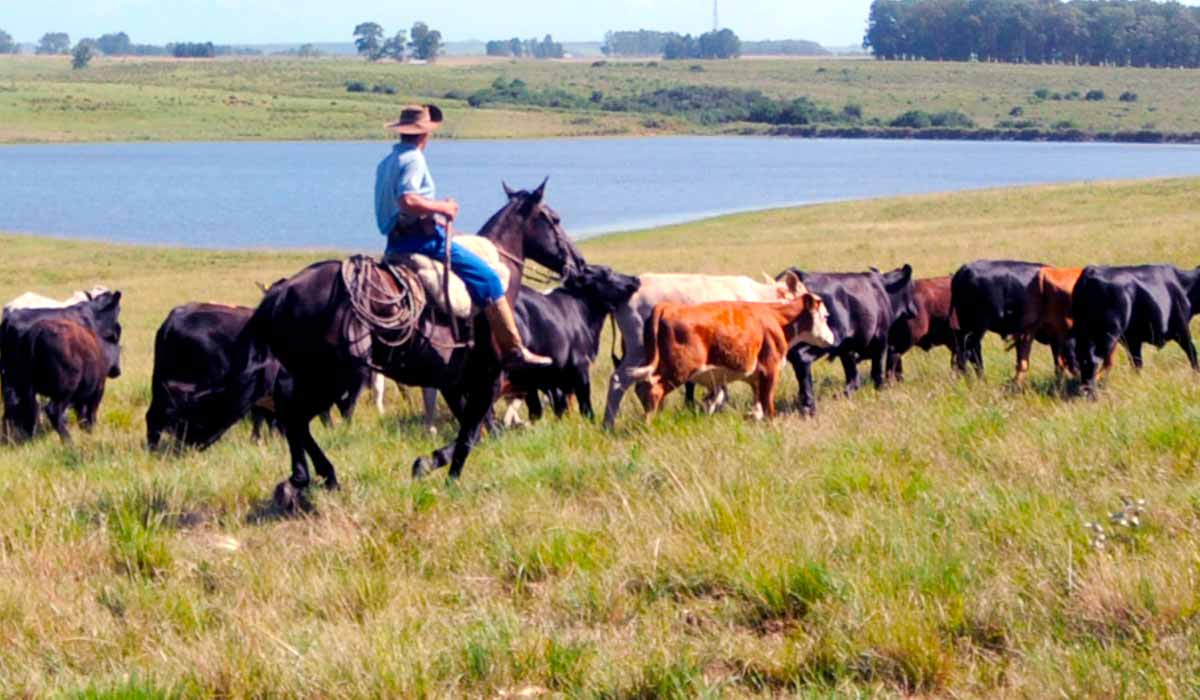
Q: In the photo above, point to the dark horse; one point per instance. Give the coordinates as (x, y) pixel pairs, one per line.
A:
(302, 321)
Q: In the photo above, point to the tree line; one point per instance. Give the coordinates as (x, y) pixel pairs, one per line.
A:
(672, 45)
(529, 48)
(1097, 32)
(421, 42)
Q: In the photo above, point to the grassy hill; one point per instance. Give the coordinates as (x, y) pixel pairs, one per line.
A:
(42, 99)
(925, 540)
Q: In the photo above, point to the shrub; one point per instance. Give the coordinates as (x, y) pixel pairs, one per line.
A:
(384, 90)
(1016, 112)
(599, 64)
(1042, 94)
(1072, 95)
(913, 119)
(697, 68)
(852, 111)
(1095, 96)
(356, 86)
(952, 120)
(1129, 97)
(1065, 125)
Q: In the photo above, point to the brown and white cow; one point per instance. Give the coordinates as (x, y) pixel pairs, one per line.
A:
(721, 342)
(658, 288)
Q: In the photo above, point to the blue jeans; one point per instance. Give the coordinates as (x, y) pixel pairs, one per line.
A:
(480, 279)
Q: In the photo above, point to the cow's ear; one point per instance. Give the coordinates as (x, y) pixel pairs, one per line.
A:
(114, 301)
(792, 283)
(908, 271)
(875, 270)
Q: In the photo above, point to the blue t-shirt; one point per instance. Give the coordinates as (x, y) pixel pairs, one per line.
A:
(404, 171)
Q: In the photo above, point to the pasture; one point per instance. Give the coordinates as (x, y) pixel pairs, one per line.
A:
(128, 99)
(925, 540)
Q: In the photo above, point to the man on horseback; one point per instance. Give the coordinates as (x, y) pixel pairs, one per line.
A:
(414, 220)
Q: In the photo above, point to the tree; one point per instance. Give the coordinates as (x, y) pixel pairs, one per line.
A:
(426, 43)
(7, 45)
(394, 48)
(115, 44)
(498, 48)
(54, 43)
(516, 47)
(722, 44)
(368, 39)
(83, 54)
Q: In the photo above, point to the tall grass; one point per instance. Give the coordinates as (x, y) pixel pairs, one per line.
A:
(925, 540)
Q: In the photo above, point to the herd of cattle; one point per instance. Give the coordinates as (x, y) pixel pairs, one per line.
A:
(677, 330)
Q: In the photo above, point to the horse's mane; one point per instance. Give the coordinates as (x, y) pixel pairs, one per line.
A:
(494, 222)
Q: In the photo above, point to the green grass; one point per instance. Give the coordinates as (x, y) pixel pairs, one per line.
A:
(925, 540)
(43, 100)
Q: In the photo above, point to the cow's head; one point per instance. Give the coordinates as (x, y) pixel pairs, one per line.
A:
(106, 310)
(789, 285)
(602, 286)
(899, 286)
(812, 325)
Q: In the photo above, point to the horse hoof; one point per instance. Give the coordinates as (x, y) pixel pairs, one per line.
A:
(287, 497)
(332, 485)
(421, 468)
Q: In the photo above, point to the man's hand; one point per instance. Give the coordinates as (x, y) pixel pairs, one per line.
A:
(450, 209)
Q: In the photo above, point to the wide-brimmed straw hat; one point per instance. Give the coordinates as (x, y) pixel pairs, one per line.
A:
(417, 119)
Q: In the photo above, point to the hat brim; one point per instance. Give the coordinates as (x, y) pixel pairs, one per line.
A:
(425, 126)
(413, 129)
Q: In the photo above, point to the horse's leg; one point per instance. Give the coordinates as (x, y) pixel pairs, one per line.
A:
(287, 493)
(477, 405)
(430, 398)
(320, 462)
(442, 456)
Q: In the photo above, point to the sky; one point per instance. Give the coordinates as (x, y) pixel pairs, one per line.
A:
(830, 22)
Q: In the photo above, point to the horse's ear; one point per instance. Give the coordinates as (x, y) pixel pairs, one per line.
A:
(540, 193)
(508, 191)
(261, 287)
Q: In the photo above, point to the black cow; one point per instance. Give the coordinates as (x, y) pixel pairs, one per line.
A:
(990, 295)
(565, 326)
(29, 358)
(1132, 305)
(863, 306)
(195, 347)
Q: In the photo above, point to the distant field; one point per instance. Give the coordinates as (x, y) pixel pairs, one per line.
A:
(43, 100)
(924, 541)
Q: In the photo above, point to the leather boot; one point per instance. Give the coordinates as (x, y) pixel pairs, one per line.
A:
(507, 338)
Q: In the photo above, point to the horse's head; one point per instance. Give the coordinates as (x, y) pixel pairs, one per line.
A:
(544, 239)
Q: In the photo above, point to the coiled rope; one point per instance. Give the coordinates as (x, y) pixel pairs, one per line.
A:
(390, 315)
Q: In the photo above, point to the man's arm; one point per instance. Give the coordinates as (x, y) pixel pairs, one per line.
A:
(419, 205)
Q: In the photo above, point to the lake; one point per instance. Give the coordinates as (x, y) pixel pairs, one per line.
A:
(319, 195)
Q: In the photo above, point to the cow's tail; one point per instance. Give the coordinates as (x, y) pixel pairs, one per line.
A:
(205, 413)
(650, 342)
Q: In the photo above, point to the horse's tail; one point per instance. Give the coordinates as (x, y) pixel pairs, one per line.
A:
(205, 413)
(650, 340)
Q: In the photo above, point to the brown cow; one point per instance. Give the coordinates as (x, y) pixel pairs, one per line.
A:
(720, 342)
(65, 362)
(929, 328)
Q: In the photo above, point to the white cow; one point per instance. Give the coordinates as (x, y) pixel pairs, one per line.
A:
(33, 300)
(428, 396)
(682, 289)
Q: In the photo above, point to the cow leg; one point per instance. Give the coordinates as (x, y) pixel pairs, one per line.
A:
(1024, 346)
(512, 416)
(1135, 353)
(583, 393)
(378, 389)
(621, 382)
(656, 391)
(806, 402)
(56, 412)
(895, 366)
(766, 392)
(715, 400)
(850, 367)
(878, 358)
(534, 400)
(689, 395)
(1189, 347)
(326, 419)
(257, 419)
(430, 399)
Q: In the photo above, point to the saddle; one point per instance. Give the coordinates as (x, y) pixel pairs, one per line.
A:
(432, 274)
